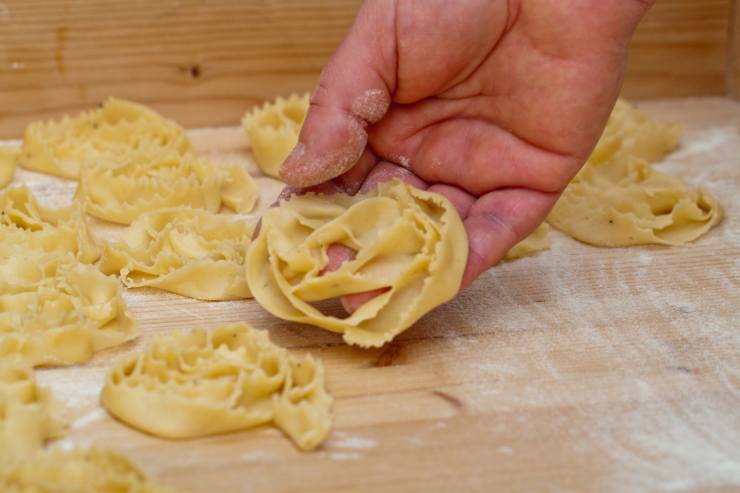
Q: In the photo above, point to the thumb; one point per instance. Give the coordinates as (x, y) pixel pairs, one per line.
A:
(354, 90)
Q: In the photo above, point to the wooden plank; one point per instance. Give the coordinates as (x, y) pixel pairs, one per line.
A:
(733, 53)
(205, 63)
(680, 49)
(202, 63)
(579, 369)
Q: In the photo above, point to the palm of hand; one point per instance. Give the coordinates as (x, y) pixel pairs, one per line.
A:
(494, 104)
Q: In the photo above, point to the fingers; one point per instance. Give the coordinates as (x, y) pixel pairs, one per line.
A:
(498, 221)
(468, 151)
(339, 254)
(352, 180)
(354, 91)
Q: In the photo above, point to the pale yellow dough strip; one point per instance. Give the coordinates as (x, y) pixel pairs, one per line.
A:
(203, 382)
(185, 251)
(409, 241)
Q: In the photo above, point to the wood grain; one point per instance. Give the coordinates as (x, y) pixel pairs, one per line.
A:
(680, 49)
(579, 369)
(733, 52)
(205, 63)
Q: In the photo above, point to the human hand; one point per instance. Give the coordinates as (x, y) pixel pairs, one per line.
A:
(495, 104)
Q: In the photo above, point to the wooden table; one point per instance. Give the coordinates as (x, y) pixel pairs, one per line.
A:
(581, 368)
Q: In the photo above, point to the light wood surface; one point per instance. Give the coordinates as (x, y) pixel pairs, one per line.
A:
(733, 53)
(579, 369)
(205, 63)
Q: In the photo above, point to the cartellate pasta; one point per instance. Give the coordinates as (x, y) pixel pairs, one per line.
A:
(618, 199)
(410, 243)
(78, 470)
(57, 311)
(8, 159)
(29, 415)
(273, 130)
(203, 382)
(185, 251)
(25, 224)
(60, 147)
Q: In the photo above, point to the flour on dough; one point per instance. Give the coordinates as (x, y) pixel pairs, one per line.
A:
(273, 130)
(26, 225)
(185, 251)
(29, 415)
(410, 242)
(203, 382)
(618, 199)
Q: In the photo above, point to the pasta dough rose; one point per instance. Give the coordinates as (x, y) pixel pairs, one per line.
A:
(29, 415)
(60, 147)
(8, 158)
(27, 225)
(273, 130)
(122, 187)
(56, 311)
(618, 199)
(201, 382)
(186, 251)
(409, 241)
(76, 471)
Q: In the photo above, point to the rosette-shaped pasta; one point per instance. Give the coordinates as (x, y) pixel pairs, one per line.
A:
(8, 158)
(60, 147)
(29, 415)
(273, 130)
(121, 187)
(186, 251)
(57, 311)
(76, 471)
(409, 242)
(204, 382)
(27, 225)
(618, 199)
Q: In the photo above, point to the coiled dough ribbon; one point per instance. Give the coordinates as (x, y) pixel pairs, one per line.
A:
(273, 130)
(29, 415)
(185, 251)
(618, 199)
(60, 147)
(57, 311)
(26, 225)
(408, 241)
(77, 470)
(121, 187)
(204, 382)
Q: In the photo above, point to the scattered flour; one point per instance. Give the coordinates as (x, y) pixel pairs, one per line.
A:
(96, 414)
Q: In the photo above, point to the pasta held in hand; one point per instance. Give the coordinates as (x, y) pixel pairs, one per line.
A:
(409, 243)
(185, 251)
(618, 199)
(203, 382)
